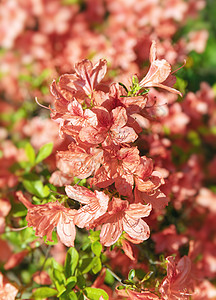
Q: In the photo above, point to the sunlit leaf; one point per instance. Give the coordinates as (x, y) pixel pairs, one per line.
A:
(96, 248)
(44, 292)
(30, 153)
(44, 152)
(95, 294)
(97, 266)
(71, 262)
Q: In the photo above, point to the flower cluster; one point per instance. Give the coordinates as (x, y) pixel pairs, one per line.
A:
(100, 121)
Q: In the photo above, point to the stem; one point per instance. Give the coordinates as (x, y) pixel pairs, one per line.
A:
(46, 256)
(115, 276)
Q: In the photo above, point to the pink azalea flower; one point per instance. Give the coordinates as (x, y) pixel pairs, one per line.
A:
(131, 104)
(15, 259)
(134, 295)
(89, 76)
(197, 40)
(123, 216)
(207, 198)
(156, 198)
(83, 82)
(159, 71)
(118, 167)
(99, 284)
(43, 218)
(5, 207)
(205, 291)
(168, 240)
(96, 204)
(126, 247)
(41, 277)
(7, 290)
(112, 128)
(79, 117)
(146, 179)
(79, 163)
(5, 251)
(177, 283)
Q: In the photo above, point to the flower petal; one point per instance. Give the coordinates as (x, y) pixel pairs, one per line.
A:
(136, 228)
(111, 231)
(66, 230)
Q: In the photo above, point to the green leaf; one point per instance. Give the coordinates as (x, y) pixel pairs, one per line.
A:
(61, 289)
(70, 2)
(96, 248)
(80, 295)
(109, 279)
(79, 182)
(68, 296)
(97, 266)
(120, 287)
(71, 282)
(30, 153)
(59, 276)
(95, 294)
(180, 84)
(86, 265)
(194, 138)
(147, 276)
(122, 84)
(44, 152)
(94, 235)
(35, 187)
(44, 292)
(71, 262)
(19, 210)
(81, 281)
(54, 238)
(131, 274)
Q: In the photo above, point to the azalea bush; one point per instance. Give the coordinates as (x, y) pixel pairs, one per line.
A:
(107, 150)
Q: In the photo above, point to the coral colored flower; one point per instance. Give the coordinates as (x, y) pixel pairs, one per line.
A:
(41, 277)
(126, 247)
(43, 218)
(168, 240)
(123, 216)
(131, 104)
(5, 207)
(158, 72)
(89, 76)
(7, 290)
(134, 295)
(156, 198)
(5, 251)
(177, 283)
(119, 167)
(82, 83)
(79, 117)
(99, 284)
(15, 259)
(111, 128)
(146, 179)
(78, 162)
(96, 204)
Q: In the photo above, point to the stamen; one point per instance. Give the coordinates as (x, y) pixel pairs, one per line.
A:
(36, 100)
(18, 229)
(180, 67)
